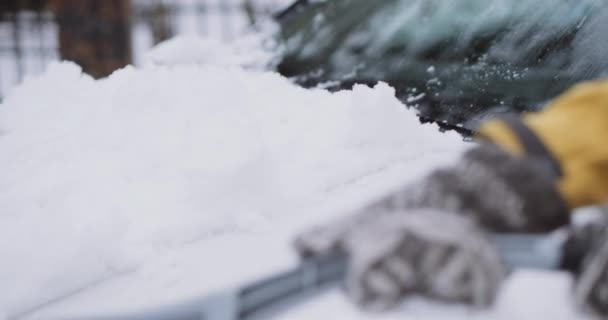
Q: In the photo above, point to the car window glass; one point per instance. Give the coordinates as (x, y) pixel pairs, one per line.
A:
(455, 60)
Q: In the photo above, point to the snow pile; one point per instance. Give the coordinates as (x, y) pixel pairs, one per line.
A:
(98, 177)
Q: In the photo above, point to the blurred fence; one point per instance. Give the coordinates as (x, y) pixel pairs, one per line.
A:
(32, 32)
(28, 41)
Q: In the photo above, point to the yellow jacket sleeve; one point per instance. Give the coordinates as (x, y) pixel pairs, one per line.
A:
(573, 131)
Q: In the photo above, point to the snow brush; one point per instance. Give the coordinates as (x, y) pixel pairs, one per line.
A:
(267, 298)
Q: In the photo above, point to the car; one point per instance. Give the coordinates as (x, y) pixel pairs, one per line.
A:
(457, 62)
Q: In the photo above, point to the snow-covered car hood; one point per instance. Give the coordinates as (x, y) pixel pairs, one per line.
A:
(174, 179)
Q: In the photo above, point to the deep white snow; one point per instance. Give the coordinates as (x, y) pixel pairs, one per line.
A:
(189, 175)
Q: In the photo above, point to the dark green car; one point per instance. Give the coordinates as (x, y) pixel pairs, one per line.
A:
(457, 61)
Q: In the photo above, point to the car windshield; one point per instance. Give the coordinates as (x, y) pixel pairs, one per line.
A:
(457, 61)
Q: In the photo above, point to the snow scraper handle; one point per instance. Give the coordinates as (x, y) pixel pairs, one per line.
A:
(266, 298)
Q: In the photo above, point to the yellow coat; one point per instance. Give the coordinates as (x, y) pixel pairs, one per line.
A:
(574, 131)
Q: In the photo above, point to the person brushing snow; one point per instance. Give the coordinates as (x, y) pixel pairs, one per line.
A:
(526, 176)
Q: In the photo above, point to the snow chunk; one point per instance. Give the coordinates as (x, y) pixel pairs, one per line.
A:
(101, 176)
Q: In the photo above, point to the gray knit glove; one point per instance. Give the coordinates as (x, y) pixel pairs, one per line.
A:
(429, 238)
(424, 251)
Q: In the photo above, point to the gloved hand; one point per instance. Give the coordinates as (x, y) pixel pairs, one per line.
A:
(428, 238)
(573, 131)
(425, 251)
(569, 138)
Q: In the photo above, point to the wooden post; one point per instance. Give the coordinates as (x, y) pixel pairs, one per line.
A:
(95, 34)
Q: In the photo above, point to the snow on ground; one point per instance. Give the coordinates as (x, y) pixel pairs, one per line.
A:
(175, 179)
